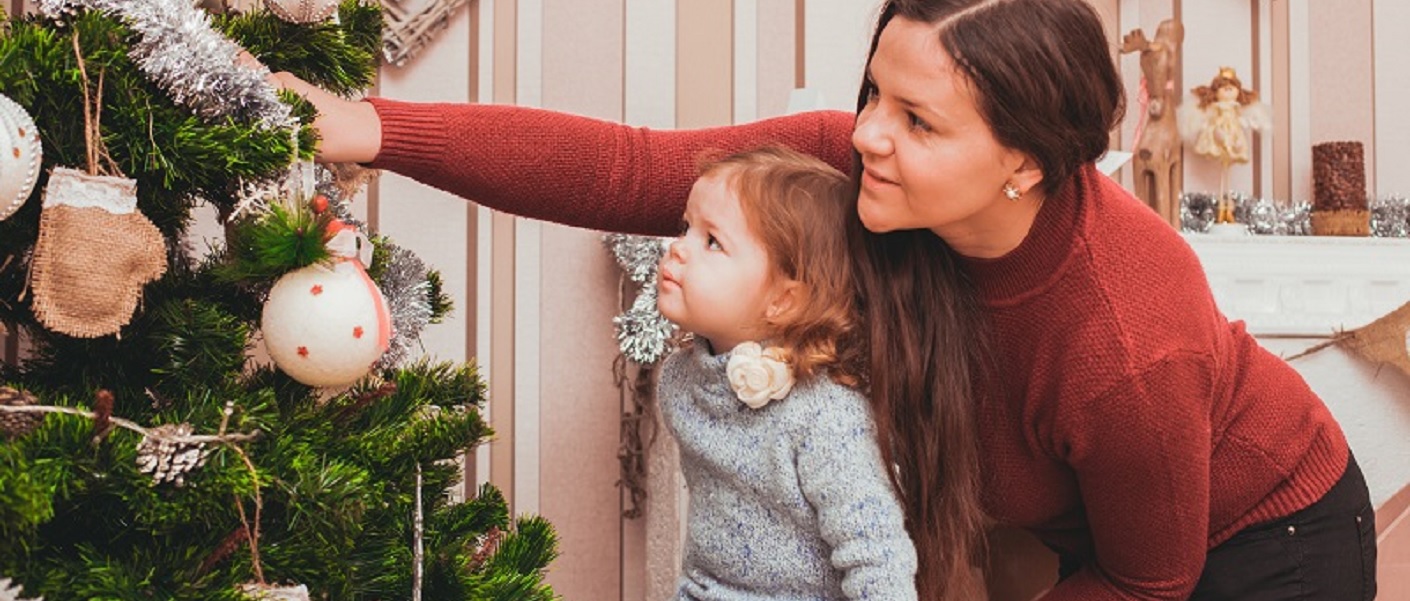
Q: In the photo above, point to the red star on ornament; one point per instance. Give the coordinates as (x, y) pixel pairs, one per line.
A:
(303, 351)
(357, 332)
(317, 289)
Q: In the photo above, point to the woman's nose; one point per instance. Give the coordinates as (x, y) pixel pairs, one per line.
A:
(869, 136)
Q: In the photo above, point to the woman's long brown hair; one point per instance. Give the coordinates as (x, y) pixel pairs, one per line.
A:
(1046, 85)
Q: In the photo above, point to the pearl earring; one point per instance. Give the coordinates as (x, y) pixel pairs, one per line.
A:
(1012, 192)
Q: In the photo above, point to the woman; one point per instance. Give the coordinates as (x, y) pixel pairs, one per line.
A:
(1043, 348)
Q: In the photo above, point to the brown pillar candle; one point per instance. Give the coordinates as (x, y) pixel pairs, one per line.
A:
(1339, 203)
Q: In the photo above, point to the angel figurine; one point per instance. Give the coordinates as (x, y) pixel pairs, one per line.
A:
(1216, 125)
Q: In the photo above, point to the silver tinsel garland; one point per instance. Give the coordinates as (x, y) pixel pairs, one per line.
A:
(1390, 216)
(643, 334)
(406, 290)
(1261, 215)
(178, 50)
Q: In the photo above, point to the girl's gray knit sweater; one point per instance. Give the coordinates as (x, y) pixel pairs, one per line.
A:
(787, 502)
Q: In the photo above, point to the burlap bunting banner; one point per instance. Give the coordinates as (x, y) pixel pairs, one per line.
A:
(1385, 340)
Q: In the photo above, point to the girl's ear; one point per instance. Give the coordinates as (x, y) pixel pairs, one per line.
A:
(788, 293)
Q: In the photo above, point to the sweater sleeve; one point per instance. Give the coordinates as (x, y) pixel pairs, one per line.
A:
(842, 475)
(576, 170)
(1141, 455)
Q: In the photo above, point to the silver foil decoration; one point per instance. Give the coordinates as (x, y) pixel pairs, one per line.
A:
(1296, 219)
(1197, 211)
(643, 334)
(1263, 216)
(1390, 217)
(196, 65)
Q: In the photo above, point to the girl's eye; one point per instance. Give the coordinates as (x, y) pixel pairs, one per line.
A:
(713, 244)
(917, 123)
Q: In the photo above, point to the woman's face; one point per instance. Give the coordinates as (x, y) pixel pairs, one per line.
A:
(930, 159)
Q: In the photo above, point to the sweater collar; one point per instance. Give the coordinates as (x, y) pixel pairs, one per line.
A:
(1039, 259)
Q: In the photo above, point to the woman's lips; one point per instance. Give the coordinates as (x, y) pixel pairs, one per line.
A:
(871, 178)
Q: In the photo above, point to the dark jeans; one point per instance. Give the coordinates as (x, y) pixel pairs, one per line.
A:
(1326, 551)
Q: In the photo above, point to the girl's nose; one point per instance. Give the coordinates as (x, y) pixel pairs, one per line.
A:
(676, 250)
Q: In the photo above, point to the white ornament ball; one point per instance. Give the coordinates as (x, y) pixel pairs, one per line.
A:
(322, 324)
(20, 154)
(303, 12)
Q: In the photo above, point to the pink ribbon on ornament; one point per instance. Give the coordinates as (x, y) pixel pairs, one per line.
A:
(352, 246)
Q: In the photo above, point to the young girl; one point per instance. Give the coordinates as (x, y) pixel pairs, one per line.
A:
(789, 498)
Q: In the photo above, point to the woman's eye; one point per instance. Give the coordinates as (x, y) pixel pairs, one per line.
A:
(713, 244)
(872, 93)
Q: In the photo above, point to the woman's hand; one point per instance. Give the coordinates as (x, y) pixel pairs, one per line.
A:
(349, 130)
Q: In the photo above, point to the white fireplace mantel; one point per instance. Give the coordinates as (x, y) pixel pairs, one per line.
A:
(1306, 286)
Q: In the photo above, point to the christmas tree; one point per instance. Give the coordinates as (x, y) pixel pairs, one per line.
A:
(143, 453)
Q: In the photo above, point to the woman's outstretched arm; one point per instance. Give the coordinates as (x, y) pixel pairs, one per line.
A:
(576, 170)
(549, 165)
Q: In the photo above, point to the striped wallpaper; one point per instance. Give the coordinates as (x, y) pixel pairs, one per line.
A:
(534, 300)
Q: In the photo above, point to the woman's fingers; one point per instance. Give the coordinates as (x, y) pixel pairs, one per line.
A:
(349, 131)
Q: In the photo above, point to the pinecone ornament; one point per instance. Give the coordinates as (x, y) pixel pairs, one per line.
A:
(166, 458)
(16, 425)
(275, 592)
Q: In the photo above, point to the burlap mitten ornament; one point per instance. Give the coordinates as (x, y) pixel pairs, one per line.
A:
(94, 254)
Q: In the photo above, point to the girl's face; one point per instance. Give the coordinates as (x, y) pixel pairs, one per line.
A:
(717, 280)
(931, 161)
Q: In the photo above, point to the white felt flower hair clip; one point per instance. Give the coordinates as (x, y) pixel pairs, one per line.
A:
(758, 375)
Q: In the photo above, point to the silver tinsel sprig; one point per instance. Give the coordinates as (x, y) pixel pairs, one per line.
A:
(407, 292)
(10, 591)
(196, 65)
(1390, 217)
(1197, 211)
(643, 334)
(167, 454)
(637, 255)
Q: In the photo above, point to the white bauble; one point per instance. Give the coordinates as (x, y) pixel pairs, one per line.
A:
(20, 154)
(303, 12)
(324, 324)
